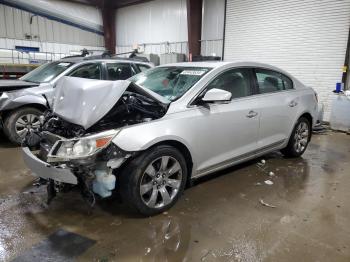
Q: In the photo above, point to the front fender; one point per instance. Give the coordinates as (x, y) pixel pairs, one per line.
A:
(12, 101)
(143, 136)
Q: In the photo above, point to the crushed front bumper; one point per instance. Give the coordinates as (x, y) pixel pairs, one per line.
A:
(47, 171)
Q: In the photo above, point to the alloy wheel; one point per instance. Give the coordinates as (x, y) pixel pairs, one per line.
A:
(26, 123)
(160, 182)
(301, 137)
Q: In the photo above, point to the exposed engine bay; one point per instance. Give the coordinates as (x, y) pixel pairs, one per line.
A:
(89, 153)
(132, 108)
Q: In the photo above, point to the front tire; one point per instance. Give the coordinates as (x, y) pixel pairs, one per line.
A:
(152, 182)
(299, 139)
(19, 122)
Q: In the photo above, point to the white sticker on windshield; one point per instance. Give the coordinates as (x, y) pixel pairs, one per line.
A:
(192, 72)
(64, 64)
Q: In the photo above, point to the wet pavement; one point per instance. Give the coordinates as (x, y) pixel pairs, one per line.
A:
(220, 218)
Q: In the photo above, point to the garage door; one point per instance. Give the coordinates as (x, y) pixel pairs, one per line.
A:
(306, 38)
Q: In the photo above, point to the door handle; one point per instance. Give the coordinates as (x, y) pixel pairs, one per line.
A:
(293, 103)
(252, 114)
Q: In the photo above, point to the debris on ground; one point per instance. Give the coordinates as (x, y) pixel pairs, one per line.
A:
(320, 129)
(261, 164)
(206, 254)
(266, 204)
(287, 219)
(257, 184)
(268, 182)
(116, 222)
(271, 173)
(148, 250)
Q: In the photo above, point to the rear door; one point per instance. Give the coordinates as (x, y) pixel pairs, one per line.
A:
(278, 102)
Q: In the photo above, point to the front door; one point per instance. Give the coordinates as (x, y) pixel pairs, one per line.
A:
(227, 131)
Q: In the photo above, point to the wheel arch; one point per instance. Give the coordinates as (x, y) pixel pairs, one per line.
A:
(7, 112)
(308, 116)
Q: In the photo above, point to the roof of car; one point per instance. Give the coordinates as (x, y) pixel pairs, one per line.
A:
(84, 59)
(217, 64)
(210, 64)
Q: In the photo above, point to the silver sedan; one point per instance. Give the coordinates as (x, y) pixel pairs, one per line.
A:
(193, 119)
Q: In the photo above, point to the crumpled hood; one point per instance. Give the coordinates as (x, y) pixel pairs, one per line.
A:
(85, 101)
(11, 85)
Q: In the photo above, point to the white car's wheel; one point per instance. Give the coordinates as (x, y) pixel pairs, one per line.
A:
(152, 182)
(299, 139)
(20, 122)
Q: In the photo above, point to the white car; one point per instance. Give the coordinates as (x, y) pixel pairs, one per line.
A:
(149, 136)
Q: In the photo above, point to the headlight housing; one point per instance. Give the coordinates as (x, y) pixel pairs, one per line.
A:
(82, 147)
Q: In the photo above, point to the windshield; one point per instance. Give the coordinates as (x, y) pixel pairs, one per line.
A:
(170, 82)
(46, 72)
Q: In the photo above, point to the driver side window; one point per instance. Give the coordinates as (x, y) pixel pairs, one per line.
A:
(90, 71)
(235, 81)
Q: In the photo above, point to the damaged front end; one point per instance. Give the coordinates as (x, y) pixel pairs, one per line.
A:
(74, 145)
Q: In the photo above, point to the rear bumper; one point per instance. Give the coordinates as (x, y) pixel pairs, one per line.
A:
(47, 171)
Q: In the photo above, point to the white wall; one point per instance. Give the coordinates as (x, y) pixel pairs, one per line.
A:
(50, 36)
(306, 38)
(152, 22)
(85, 13)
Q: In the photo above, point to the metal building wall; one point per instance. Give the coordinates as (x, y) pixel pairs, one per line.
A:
(50, 36)
(85, 14)
(306, 38)
(151, 24)
(213, 27)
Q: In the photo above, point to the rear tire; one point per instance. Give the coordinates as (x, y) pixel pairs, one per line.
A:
(19, 122)
(299, 139)
(152, 182)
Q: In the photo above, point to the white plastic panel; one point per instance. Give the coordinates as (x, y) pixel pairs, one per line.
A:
(152, 22)
(306, 38)
(213, 19)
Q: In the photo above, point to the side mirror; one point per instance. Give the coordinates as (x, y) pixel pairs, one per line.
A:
(217, 95)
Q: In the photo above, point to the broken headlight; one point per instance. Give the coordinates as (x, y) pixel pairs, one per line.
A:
(82, 147)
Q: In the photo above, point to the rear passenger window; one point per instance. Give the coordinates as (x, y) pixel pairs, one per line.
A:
(119, 71)
(235, 81)
(271, 81)
(90, 71)
(142, 68)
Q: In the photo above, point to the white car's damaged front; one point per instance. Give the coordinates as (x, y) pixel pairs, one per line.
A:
(74, 143)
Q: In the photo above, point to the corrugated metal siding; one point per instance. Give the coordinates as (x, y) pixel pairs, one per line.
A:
(306, 38)
(15, 24)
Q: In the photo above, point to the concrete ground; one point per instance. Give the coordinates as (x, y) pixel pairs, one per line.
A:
(220, 218)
